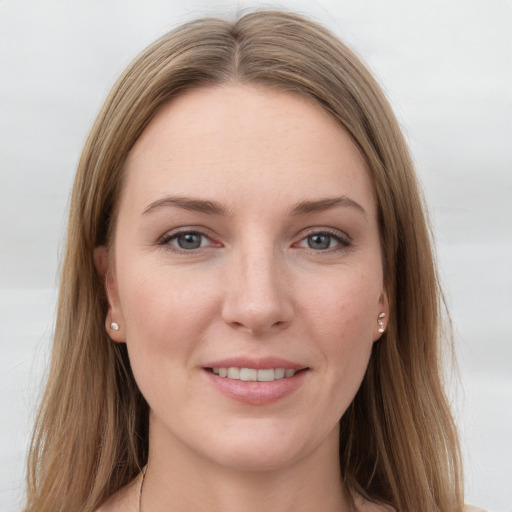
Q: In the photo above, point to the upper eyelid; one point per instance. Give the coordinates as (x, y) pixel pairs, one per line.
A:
(173, 234)
(324, 230)
(187, 229)
(305, 231)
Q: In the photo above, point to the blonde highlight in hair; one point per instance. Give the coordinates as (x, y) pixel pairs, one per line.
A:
(398, 443)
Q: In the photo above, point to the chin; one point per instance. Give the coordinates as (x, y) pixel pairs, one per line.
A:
(262, 448)
(254, 459)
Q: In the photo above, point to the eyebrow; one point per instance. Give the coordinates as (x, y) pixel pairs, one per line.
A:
(215, 208)
(196, 205)
(305, 207)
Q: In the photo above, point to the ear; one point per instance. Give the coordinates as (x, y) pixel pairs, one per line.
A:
(106, 271)
(382, 316)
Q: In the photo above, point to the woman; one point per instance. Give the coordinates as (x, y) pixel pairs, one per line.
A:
(249, 310)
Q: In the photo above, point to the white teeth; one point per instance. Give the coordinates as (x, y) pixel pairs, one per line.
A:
(253, 375)
(266, 375)
(279, 373)
(248, 374)
(233, 373)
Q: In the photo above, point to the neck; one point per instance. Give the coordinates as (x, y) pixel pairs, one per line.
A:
(181, 481)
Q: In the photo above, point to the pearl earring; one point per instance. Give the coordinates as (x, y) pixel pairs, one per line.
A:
(114, 326)
(381, 322)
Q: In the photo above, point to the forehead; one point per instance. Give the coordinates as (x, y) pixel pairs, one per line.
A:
(237, 141)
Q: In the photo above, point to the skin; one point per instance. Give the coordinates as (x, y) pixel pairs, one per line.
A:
(266, 280)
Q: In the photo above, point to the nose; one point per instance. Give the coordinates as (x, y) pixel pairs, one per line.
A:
(258, 297)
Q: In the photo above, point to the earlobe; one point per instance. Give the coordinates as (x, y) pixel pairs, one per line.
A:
(382, 316)
(113, 321)
(114, 330)
(380, 321)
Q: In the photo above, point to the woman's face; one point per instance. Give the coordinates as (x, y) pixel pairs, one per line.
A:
(247, 245)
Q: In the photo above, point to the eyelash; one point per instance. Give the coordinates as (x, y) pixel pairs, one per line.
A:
(166, 240)
(343, 241)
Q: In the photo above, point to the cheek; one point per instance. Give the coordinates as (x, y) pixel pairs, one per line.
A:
(341, 317)
(343, 309)
(165, 324)
(163, 314)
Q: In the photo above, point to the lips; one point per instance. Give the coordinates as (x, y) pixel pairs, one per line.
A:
(255, 381)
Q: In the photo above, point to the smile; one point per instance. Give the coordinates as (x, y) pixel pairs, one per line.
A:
(254, 375)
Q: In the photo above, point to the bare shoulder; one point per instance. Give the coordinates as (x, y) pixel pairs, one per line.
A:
(124, 500)
(470, 508)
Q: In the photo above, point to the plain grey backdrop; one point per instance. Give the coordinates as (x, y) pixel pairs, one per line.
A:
(446, 66)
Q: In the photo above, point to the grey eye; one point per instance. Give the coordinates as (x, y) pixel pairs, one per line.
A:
(319, 241)
(189, 241)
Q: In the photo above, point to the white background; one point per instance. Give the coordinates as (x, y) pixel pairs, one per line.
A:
(446, 66)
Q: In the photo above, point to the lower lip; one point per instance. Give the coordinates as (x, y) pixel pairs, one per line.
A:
(256, 393)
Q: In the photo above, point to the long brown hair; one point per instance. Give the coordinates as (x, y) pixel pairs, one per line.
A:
(398, 442)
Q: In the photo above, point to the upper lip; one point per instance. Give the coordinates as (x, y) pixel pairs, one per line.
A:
(255, 363)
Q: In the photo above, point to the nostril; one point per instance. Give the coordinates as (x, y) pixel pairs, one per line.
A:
(256, 314)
